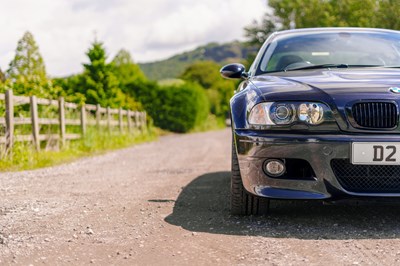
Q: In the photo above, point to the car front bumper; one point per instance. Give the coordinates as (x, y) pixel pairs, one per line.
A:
(254, 147)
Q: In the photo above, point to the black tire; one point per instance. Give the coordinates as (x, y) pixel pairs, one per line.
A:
(242, 202)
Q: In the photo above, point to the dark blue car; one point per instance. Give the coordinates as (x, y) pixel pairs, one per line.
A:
(317, 118)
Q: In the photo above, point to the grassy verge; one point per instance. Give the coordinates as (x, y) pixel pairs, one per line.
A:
(212, 123)
(24, 157)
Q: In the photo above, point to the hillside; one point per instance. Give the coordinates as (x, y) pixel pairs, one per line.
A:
(174, 66)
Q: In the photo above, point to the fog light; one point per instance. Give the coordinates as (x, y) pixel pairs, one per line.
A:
(274, 167)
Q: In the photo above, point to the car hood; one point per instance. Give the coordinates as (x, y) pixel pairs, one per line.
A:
(349, 83)
(338, 88)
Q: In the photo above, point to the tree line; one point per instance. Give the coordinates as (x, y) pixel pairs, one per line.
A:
(288, 14)
(179, 106)
(200, 95)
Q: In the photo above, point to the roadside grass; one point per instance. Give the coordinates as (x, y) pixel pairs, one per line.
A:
(24, 156)
(212, 123)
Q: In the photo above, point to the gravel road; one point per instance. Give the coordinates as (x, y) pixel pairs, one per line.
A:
(167, 203)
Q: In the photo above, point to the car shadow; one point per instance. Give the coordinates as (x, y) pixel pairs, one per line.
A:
(203, 206)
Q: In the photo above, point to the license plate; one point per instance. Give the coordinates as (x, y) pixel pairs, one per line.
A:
(385, 153)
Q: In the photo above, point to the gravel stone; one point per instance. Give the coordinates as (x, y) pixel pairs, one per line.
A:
(168, 201)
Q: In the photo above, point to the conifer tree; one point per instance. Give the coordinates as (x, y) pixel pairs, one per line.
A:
(99, 82)
(28, 61)
(27, 73)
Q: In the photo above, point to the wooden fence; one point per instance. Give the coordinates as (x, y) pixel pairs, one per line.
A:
(103, 117)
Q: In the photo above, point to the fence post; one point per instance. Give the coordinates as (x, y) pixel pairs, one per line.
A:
(35, 122)
(129, 117)
(120, 118)
(61, 113)
(83, 119)
(9, 120)
(137, 125)
(109, 118)
(142, 122)
(98, 115)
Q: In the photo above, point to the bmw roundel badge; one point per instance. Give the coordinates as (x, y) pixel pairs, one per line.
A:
(394, 89)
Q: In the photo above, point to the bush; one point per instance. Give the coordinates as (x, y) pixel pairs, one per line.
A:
(219, 91)
(178, 108)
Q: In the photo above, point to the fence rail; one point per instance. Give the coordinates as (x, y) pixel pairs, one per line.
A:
(103, 117)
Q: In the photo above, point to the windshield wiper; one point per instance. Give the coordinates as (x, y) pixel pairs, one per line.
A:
(329, 66)
(392, 66)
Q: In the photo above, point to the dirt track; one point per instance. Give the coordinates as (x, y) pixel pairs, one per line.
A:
(166, 203)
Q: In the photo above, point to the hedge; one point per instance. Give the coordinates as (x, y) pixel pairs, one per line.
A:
(178, 108)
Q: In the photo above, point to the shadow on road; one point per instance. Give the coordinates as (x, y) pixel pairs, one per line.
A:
(203, 206)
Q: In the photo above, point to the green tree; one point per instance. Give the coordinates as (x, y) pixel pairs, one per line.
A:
(388, 14)
(2, 76)
(72, 88)
(99, 84)
(2, 84)
(219, 91)
(125, 69)
(28, 62)
(259, 31)
(177, 108)
(325, 13)
(206, 73)
(286, 14)
(27, 72)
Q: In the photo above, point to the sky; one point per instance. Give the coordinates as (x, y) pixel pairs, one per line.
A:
(149, 29)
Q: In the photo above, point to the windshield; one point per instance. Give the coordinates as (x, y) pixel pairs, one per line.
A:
(332, 48)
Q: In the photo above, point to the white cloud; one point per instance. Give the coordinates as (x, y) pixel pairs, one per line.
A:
(149, 29)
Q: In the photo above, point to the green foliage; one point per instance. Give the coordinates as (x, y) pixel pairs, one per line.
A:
(174, 67)
(25, 157)
(27, 73)
(101, 82)
(205, 73)
(212, 123)
(177, 105)
(177, 108)
(389, 14)
(28, 61)
(219, 91)
(169, 82)
(286, 14)
(327, 13)
(182, 107)
(2, 82)
(71, 88)
(2, 77)
(258, 32)
(125, 69)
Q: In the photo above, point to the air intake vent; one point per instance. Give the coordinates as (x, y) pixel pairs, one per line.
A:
(375, 114)
(367, 178)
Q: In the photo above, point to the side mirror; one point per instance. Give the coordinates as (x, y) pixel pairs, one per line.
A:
(234, 71)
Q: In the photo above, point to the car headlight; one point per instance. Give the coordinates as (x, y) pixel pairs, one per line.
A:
(311, 113)
(259, 115)
(281, 113)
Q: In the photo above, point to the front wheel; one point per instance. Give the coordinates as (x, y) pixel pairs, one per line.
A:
(242, 202)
